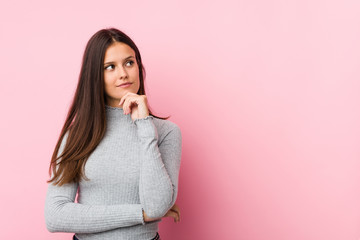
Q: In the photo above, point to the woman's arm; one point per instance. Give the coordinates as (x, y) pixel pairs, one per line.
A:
(62, 214)
(160, 167)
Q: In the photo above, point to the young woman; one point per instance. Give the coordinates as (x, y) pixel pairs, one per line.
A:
(120, 159)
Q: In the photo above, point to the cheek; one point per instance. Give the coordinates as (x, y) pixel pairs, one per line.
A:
(108, 79)
(136, 78)
(137, 83)
(107, 84)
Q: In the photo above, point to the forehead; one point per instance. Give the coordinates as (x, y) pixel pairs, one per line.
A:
(118, 51)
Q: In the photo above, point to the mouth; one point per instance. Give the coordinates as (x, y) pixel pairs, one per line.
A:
(125, 85)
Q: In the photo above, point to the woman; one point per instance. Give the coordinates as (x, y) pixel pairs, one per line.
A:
(122, 160)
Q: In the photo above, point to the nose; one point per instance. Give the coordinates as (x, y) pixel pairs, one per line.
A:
(122, 73)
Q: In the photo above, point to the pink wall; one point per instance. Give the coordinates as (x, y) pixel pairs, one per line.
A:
(266, 94)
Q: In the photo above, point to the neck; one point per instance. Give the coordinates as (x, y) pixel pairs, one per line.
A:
(112, 102)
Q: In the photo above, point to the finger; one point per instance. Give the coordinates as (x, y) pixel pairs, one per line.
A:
(131, 99)
(121, 100)
(125, 96)
(133, 102)
(171, 214)
(176, 209)
(127, 104)
(177, 216)
(178, 213)
(174, 215)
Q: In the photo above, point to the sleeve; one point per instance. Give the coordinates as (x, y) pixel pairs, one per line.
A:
(158, 184)
(62, 214)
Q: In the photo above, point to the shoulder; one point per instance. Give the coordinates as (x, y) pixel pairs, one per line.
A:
(166, 129)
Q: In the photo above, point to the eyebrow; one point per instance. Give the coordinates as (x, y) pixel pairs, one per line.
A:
(123, 59)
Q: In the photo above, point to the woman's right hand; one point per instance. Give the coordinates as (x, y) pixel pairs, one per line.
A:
(174, 212)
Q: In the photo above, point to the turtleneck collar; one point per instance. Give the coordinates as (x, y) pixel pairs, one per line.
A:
(115, 112)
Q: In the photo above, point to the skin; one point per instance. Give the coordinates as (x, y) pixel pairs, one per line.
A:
(120, 66)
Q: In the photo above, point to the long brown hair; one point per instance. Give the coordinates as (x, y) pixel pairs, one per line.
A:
(85, 124)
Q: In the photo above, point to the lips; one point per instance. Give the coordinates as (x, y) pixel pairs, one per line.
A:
(124, 84)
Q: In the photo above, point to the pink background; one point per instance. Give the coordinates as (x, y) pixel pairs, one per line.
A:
(266, 94)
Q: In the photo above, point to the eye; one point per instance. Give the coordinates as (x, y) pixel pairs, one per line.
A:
(112, 65)
(132, 62)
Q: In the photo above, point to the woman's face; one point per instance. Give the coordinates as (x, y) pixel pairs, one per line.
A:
(120, 67)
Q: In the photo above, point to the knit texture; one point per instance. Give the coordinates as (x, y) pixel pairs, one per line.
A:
(135, 166)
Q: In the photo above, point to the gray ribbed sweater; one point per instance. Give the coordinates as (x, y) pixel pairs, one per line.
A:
(134, 167)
